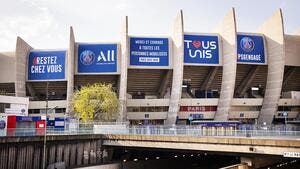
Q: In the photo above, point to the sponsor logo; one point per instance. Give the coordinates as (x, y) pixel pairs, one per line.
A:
(247, 44)
(87, 57)
(109, 58)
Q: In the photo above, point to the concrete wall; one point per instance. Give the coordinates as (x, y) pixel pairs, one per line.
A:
(177, 36)
(274, 36)
(292, 50)
(61, 151)
(51, 104)
(8, 67)
(21, 53)
(141, 115)
(227, 30)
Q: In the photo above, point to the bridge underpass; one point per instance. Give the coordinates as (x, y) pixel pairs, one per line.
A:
(78, 149)
(148, 158)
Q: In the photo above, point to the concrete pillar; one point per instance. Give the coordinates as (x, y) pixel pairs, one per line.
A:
(70, 72)
(3, 157)
(37, 157)
(73, 154)
(21, 157)
(51, 157)
(274, 36)
(123, 72)
(227, 31)
(86, 153)
(21, 53)
(67, 154)
(177, 37)
(99, 155)
(79, 153)
(93, 150)
(29, 157)
(59, 153)
(11, 157)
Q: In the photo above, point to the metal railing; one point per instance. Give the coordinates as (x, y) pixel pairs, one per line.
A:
(193, 131)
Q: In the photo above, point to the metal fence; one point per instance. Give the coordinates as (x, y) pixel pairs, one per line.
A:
(193, 131)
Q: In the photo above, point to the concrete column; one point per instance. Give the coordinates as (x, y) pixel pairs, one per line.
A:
(274, 36)
(21, 157)
(52, 154)
(59, 152)
(3, 157)
(70, 72)
(21, 53)
(123, 72)
(29, 157)
(227, 30)
(79, 153)
(67, 154)
(86, 152)
(73, 154)
(37, 157)
(12, 157)
(177, 37)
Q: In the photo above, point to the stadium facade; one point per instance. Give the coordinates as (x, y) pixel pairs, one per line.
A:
(222, 75)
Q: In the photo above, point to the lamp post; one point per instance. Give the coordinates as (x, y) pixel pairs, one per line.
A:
(45, 133)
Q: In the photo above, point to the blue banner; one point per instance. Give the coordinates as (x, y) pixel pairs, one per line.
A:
(250, 49)
(97, 58)
(201, 49)
(46, 65)
(149, 51)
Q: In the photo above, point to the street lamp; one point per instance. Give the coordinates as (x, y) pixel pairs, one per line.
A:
(45, 133)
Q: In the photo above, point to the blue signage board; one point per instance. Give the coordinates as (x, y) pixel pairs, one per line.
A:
(201, 49)
(97, 58)
(46, 65)
(149, 51)
(250, 49)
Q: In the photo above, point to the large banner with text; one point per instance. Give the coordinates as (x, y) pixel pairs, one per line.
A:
(250, 49)
(46, 65)
(149, 51)
(201, 49)
(97, 58)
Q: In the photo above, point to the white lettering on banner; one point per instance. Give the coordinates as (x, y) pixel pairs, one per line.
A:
(110, 57)
(249, 57)
(54, 68)
(148, 59)
(48, 60)
(38, 69)
(206, 52)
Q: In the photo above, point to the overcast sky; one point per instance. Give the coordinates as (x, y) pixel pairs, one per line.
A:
(44, 24)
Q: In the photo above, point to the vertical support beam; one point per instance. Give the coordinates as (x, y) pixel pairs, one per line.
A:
(227, 30)
(31, 90)
(70, 72)
(123, 72)
(21, 53)
(209, 78)
(274, 35)
(177, 37)
(247, 80)
(164, 83)
(288, 75)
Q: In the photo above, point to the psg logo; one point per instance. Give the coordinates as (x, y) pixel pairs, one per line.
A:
(87, 57)
(247, 44)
